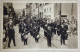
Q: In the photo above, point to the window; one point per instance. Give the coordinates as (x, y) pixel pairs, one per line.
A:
(50, 9)
(40, 4)
(46, 3)
(36, 5)
(45, 16)
(47, 9)
(44, 10)
(49, 16)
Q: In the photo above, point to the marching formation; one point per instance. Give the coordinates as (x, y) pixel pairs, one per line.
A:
(33, 25)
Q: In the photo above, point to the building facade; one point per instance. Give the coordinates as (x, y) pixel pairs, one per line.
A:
(42, 10)
(48, 11)
(67, 9)
(27, 10)
(35, 10)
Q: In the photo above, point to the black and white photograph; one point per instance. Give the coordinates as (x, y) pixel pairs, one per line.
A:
(40, 26)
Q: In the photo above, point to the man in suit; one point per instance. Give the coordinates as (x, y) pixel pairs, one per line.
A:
(11, 35)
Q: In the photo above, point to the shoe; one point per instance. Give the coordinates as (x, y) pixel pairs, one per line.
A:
(14, 45)
(8, 46)
(49, 46)
(64, 44)
(66, 39)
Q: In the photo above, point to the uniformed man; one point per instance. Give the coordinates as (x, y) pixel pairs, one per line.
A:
(20, 25)
(45, 30)
(55, 27)
(22, 31)
(58, 29)
(11, 35)
(62, 32)
(31, 26)
(65, 29)
(49, 35)
(25, 36)
(36, 33)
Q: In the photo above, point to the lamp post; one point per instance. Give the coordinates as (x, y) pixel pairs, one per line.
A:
(72, 17)
(72, 9)
(60, 14)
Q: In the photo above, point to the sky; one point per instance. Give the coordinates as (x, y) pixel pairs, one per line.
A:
(19, 5)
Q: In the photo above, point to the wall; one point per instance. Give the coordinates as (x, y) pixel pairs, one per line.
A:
(48, 11)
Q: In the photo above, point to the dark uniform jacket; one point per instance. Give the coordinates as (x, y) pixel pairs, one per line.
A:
(62, 32)
(49, 33)
(11, 33)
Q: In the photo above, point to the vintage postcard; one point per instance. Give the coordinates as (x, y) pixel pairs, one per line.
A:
(44, 25)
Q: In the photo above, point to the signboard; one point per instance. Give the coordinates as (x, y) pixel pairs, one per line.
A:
(63, 17)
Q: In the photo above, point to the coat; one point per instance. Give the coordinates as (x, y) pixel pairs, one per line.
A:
(11, 33)
(49, 33)
(62, 32)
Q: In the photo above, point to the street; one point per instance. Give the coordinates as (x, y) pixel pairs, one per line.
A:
(71, 43)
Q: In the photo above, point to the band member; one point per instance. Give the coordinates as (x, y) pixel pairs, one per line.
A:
(62, 32)
(25, 36)
(49, 35)
(20, 25)
(31, 26)
(35, 33)
(45, 30)
(58, 29)
(65, 30)
(11, 35)
(31, 32)
(22, 31)
(55, 27)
